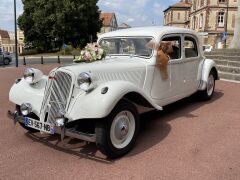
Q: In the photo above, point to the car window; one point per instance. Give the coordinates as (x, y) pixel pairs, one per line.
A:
(175, 42)
(127, 46)
(190, 47)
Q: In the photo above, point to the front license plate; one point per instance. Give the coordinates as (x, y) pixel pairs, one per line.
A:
(41, 126)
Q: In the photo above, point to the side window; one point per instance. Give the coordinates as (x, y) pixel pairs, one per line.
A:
(175, 46)
(190, 47)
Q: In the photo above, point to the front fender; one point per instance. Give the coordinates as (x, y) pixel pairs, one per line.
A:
(23, 92)
(207, 66)
(97, 105)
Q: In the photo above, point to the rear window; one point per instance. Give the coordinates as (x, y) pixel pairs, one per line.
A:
(190, 47)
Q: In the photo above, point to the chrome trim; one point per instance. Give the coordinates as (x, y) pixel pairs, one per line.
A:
(58, 94)
(63, 131)
(80, 135)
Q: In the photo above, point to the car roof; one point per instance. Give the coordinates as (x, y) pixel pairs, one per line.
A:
(153, 31)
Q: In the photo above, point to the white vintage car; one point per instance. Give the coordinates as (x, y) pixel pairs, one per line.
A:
(101, 101)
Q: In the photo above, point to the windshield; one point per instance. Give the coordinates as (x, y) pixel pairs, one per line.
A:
(135, 46)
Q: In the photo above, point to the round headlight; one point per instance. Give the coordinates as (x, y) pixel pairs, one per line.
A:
(32, 75)
(29, 75)
(26, 108)
(84, 80)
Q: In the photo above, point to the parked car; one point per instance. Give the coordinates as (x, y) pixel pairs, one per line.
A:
(101, 101)
(5, 57)
(207, 48)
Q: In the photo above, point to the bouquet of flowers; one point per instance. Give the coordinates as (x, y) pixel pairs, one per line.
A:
(92, 52)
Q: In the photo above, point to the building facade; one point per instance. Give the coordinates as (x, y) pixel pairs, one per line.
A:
(7, 41)
(124, 26)
(178, 14)
(214, 18)
(109, 22)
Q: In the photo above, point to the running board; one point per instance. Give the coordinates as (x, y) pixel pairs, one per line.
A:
(80, 135)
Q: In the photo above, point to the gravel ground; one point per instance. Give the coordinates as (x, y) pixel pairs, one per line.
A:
(188, 140)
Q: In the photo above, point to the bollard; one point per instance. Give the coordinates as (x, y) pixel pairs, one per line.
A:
(73, 56)
(58, 59)
(41, 60)
(24, 61)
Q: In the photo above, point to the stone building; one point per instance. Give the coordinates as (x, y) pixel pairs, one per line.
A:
(214, 17)
(7, 41)
(109, 22)
(178, 14)
(124, 26)
(4, 40)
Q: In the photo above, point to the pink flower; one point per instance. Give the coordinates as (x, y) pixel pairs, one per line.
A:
(87, 55)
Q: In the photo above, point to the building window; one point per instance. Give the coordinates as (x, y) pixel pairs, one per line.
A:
(222, 1)
(201, 21)
(233, 20)
(196, 23)
(178, 15)
(221, 19)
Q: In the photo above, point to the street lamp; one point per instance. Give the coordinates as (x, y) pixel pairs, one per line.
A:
(15, 24)
(226, 26)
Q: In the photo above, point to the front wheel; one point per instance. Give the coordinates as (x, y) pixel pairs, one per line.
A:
(116, 135)
(6, 61)
(208, 92)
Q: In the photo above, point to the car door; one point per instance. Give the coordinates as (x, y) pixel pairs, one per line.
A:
(165, 91)
(190, 64)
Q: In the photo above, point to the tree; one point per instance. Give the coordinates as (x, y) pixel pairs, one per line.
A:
(235, 42)
(49, 23)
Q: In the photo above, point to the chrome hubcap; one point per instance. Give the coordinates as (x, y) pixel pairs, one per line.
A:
(122, 129)
(210, 85)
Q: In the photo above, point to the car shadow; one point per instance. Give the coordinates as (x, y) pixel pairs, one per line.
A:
(154, 128)
(71, 146)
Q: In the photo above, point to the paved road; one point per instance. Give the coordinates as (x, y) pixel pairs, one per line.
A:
(188, 140)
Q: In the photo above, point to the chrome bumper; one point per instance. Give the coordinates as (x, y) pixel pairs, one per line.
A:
(15, 117)
(70, 132)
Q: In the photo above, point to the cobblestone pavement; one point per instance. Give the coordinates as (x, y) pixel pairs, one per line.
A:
(188, 140)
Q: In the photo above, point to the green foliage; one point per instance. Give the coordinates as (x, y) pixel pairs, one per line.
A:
(48, 24)
(29, 52)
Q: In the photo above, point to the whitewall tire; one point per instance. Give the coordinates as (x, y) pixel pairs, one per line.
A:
(116, 135)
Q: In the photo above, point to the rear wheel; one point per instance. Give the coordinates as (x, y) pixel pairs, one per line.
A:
(6, 61)
(208, 92)
(116, 135)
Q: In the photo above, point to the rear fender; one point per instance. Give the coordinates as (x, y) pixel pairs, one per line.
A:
(207, 66)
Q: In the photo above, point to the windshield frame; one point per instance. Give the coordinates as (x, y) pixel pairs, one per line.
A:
(125, 37)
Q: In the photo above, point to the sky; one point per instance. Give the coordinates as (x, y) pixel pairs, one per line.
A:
(132, 12)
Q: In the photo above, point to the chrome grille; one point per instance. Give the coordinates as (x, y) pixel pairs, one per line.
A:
(59, 92)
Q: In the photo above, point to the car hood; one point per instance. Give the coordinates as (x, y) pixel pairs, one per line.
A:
(127, 69)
